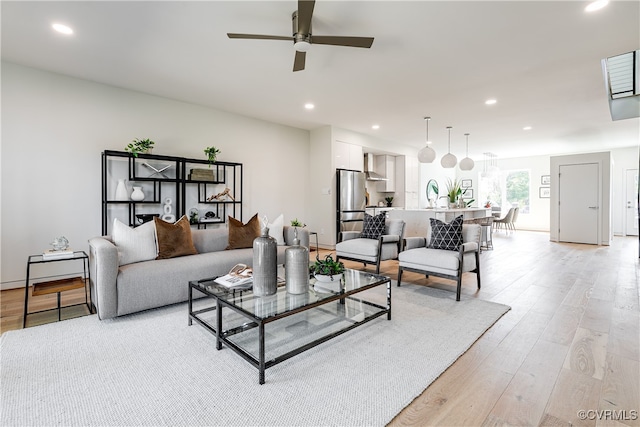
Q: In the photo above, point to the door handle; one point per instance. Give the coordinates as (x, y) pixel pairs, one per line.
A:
(593, 207)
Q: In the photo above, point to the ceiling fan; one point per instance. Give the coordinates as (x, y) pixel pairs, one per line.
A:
(302, 38)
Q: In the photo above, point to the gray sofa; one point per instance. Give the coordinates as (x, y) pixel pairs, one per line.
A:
(119, 290)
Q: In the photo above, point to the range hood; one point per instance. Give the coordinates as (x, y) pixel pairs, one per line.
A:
(368, 169)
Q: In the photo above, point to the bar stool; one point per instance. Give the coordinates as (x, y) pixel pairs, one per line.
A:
(487, 232)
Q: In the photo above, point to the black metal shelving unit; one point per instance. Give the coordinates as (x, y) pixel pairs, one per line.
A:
(170, 172)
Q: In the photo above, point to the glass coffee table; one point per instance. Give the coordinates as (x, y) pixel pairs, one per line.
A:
(296, 323)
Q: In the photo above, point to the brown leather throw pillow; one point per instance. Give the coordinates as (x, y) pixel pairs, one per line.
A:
(242, 235)
(174, 240)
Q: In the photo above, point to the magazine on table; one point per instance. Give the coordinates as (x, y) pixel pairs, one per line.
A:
(239, 276)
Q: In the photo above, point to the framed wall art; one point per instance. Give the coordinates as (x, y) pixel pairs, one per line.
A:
(545, 192)
(545, 180)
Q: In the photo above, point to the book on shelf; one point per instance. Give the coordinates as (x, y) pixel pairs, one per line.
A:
(53, 254)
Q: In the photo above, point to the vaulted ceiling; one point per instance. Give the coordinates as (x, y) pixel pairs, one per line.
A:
(539, 59)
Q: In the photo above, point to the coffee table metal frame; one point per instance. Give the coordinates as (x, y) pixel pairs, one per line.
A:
(257, 321)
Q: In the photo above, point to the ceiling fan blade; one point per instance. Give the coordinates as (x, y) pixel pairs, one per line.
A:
(258, 37)
(365, 42)
(305, 12)
(298, 62)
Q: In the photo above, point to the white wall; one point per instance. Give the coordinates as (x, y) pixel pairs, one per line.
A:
(55, 127)
(623, 160)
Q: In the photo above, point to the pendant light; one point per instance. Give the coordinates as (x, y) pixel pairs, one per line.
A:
(427, 154)
(449, 160)
(467, 163)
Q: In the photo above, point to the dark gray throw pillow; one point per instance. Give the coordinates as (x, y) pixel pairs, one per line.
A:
(446, 236)
(373, 226)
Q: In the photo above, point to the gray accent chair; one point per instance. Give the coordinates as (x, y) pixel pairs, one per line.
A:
(371, 251)
(417, 257)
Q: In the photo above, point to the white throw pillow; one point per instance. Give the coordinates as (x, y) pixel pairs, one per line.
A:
(276, 228)
(134, 244)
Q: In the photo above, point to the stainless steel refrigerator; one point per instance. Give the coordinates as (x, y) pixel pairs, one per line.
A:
(351, 200)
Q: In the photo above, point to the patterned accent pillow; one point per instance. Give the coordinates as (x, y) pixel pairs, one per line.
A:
(446, 236)
(373, 226)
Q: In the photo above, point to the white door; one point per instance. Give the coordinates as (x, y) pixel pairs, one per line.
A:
(631, 203)
(579, 207)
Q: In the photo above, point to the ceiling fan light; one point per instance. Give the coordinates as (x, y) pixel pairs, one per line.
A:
(426, 155)
(466, 164)
(448, 161)
(302, 46)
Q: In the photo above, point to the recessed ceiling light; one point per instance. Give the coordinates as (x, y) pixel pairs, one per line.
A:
(490, 101)
(63, 29)
(375, 127)
(596, 5)
(309, 106)
(527, 128)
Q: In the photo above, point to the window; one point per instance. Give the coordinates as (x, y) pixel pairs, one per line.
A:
(506, 189)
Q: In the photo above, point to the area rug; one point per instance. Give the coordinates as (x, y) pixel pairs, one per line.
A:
(152, 369)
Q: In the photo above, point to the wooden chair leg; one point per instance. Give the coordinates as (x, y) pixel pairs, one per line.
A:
(399, 275)
(459, 287)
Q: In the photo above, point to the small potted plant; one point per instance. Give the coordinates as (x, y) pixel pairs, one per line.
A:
(389, 201)
(327, 269)
(212, 154)
(454, 190)
(297, 223)
(138, 146)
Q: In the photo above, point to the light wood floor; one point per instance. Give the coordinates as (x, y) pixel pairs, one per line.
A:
(571, 341)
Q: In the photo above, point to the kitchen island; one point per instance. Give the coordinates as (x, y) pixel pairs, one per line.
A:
(417, 220)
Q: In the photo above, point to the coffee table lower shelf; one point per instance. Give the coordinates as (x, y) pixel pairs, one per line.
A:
(335, 315)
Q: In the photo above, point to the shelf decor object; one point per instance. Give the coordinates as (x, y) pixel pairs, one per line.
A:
(137, 195)
(121, 191)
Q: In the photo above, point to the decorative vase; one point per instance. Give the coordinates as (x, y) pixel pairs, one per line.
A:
(327, 278)
(265, 264)
(121, 191)
(453, 205)
(137, 195)
(296, 267)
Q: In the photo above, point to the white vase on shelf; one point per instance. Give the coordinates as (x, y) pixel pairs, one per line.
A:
(121, 191)
(137, 195)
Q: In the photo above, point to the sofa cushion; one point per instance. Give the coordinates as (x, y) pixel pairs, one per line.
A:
(373, 226)
(210, 240)
(242, 235)
(174, 240)
(134, 244)
(446, 236)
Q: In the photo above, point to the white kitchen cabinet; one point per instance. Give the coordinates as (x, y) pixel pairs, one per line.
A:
(348, 156)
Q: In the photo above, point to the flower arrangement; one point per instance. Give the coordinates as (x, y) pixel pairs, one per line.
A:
(138, 146)
(454, 190)
(327, 266)
(212, 154)
(297, 223)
